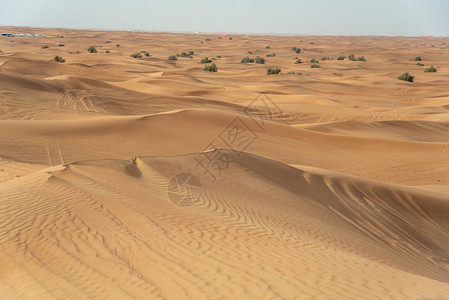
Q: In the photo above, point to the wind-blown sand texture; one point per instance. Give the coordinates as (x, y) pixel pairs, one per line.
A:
(145, 178)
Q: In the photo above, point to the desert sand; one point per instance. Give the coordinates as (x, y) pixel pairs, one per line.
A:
(149, 178)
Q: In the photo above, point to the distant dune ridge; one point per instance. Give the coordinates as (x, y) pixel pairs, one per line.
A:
(149, 178)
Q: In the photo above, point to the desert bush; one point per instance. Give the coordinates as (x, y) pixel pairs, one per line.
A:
(271, 54)
(191, 52)
(246, 60)
(273, 71)
(58, 59)
(420, 64)
(341, 57)
(60, 36)
(218, 56)
(108, 42)
(259, 60)
(298, 61)
(61, 45)
(45, 47)
(313, 60)
(184, 54)
(92, 49)
(118, 45)
(406, 77)
(315, 66)
(432, 69)
(267, 47)
(250, 52)
(418, 58)
(325, 58)
(136, 55)
(210, 68)
(230, 38)
(172, 57)
(205, 60)
(207, 40)
(107, 51)
(361, 58)
(351, 57)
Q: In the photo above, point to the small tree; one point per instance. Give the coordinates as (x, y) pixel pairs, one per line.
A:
(271, 71)
(210, 68)
(92, 49)
(406, 77)
(59, 59)
(431, 69)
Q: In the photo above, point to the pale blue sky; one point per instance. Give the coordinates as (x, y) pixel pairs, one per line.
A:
(345, 17)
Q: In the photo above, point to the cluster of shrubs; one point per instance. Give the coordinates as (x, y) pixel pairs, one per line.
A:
(172, 57)
(313, 60)
(136, 55)
(406, 77)
(352, 58)
(59, 59)
(205, 60)
(325, 58)
(420, 64)
(273, 71)
(92, 49)
(314, 66)
(342, 57)
(271, 54)
(186, 54)
(431, 69)
(257, 60)
(145, 53)
(211, 68)
(297, 50)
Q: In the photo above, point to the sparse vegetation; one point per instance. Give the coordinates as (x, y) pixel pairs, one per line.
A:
(360, 58)
(108, 42)
(246, 60)
(406, 77)
(325, 58)
(58, 59)
(230, 38)
(351, 57)
(61, 45)
(211, 68)
(107, 51)
(267, 47)
(315, 66)
(191, 52)
(45, 47)
(259, 60)
(218, 56)
(271, 54)
(271, 71)
(293, 72)
(172, 57)
(298, 61)
(92, 49)
(205, 60)
(118, 45)
(184, 54)
(250, 52)
(420, 64)
(418, 58)
(136, 55)
(342, 57)
(207, 40)
(432, 69)
(60, 36)
(297, 50)
(313, 60)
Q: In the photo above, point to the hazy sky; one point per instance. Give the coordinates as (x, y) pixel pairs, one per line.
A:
(333, 17)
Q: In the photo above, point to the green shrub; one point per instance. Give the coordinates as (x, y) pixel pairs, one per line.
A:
(431, 70)
(107, 51)
(136, 55)
(418, 58)
(259, 60)
(191, 52)
(267, 47)
(293, 72)
(60, 45)
(118, 45)
(218, 56)
(45, 47)
(273, 71)
(92, 49)
(341, 57)
(406, 77)
(230, 38)
(325, 58)
(361, 58)
(172, 57)
(298, 61)
(210, 68)
(205, 60)
(420, 64)
(207, 40)
(246, 60)
(313, 60)
(59, 59)
(271, 54)
(184, 54)
(108, 42)
(351, 57)
(250, 52)
(315, 66)
(60, 36)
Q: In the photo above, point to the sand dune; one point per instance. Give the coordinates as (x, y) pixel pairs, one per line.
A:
(125, 178)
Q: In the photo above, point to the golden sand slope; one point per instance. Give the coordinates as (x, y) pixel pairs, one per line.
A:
(338, 188)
